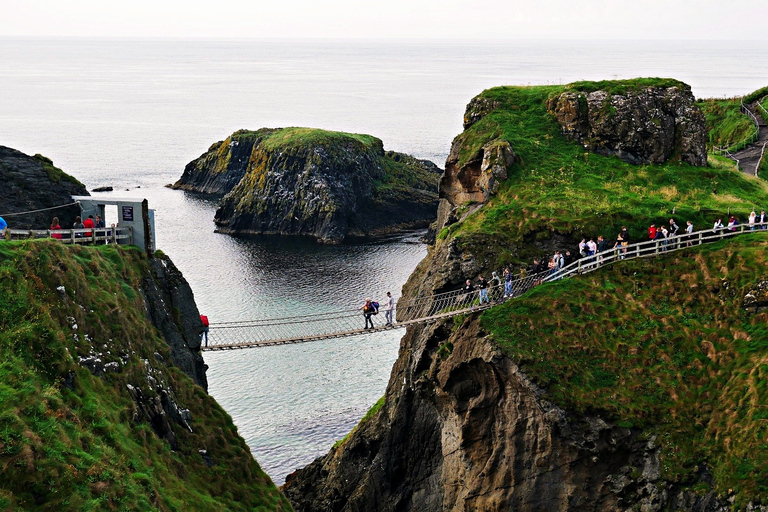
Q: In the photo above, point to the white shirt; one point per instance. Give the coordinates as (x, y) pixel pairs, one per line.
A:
(390, 303)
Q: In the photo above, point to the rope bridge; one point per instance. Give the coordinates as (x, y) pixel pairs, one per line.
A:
(432, 308)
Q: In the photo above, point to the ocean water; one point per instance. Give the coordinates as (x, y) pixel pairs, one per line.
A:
(132, 113)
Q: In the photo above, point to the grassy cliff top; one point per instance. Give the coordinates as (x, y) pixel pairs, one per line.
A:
(557, 186)
(70, 440)
(662, 344)
(295, 137)
(623, 87)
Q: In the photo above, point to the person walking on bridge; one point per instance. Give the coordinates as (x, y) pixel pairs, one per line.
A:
(390, 302)
(204, 333)
(368, 311)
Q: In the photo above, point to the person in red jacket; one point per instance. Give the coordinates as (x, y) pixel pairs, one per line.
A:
(89, 224)
(204, 319)
(652, 232)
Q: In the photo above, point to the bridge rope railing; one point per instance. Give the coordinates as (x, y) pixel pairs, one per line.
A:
(74, 236)
(431, 308)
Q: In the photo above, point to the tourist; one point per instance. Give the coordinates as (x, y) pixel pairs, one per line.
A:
(3, 227)
(99, 223)
(204, 320)
(368, 311)
(732, 223)
(482, 285)
(602, 246)
(689, 233)
(495, 286)
(54, 227)
(468, 293)
(583, 248)
(568, 258)
(591, 247)
(652, 232)
(390, 303)
(718, 225)
(665, 236)
(752, 219)
(78, 224)
(763, 220)
(507, 283)
(560, 260)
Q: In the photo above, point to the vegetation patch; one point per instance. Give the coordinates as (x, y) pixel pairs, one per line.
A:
(72, 440)
(54, 173)
(368, 415)
(664, 345)
(727, 125)
(557, 188)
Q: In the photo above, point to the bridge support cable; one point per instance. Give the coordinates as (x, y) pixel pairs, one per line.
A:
(432, 308)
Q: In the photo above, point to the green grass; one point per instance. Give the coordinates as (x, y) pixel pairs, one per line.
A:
(287, 138)
(368, 415)
(623, 87)
(663, 345)
(727, 126)
(73, 441)
(558, 188)
(55, 174)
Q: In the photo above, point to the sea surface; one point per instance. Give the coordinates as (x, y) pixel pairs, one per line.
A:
(132, 113)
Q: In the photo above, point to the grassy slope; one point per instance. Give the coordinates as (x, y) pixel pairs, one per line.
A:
(661, 344)
(77, 448)
(726, 124)
(558, 187)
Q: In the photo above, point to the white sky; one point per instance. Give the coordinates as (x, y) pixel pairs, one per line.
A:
(451, 19)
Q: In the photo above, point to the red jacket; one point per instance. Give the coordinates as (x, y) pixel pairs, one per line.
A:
(88, 223)
(204, 319)
(652, 232)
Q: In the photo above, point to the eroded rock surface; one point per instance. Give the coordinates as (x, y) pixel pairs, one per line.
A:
(646, 126)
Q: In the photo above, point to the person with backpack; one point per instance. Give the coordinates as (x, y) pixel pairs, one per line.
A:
(368, 312)
(673, 229)
(204, 320)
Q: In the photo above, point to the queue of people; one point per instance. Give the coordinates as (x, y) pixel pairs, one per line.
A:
(92, 223)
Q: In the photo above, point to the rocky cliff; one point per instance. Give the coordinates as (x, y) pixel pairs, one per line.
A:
(300, 181)
(33, 183)
(592, 394)
(650, 124)
(98, 412)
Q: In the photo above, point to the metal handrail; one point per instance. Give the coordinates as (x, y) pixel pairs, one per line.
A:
(75, 236)
(652, 248)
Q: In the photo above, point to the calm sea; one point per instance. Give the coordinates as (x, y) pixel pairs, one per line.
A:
(132, 113)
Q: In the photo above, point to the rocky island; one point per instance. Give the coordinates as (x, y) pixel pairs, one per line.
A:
(34, 183)
(302, 181)
(633, 388)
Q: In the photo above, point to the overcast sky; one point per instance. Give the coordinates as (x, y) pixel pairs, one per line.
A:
(453, 19)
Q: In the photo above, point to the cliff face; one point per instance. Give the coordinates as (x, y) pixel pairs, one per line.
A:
(33, 183)
(170, 305)
(328, 185)
(649, 125)
(476, 418)
(97, 410)
(219, 169)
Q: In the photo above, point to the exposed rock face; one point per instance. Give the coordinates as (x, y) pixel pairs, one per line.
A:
(219, 169)
(468, 431)
(328, 185)
(171, 307)
(474, 181)
(650, 125)
(33, 183)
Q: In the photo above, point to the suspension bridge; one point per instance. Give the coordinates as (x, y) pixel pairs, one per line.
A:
(426, 309)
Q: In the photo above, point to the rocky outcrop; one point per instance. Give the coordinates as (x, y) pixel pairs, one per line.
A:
(327, 185)
(463, 429)
(219, 169)
(643, 126)
(170, 305)
(33, 183)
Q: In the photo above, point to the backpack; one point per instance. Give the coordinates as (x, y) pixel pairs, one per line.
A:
(375, 306)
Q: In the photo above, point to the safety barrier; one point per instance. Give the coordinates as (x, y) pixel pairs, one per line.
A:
(91, 236)
(432, 308)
